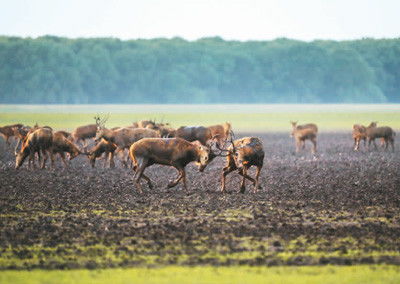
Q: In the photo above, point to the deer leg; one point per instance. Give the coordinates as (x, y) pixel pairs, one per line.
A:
(105, 159)
(376, 147)
(356, 144)
(111, 158)
(392, 142)
(314, 148)
(385, 142)
(62, 156)
(257, 184)
(247, 176)
(44, 159)
(139, 173)
(175, 182)
(225, 172)
(243, 183)
(298, 144)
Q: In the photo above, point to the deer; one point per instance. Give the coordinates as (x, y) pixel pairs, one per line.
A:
(8, 131)
(193, 133)
(384, 132)
(174, 152)
(304, 132)
(359, 133)
(39, 140)
(20, 133)
(123, 138)
(62, 145)
(221, 132)
(103, 146)
(84, 133)
(241, 155)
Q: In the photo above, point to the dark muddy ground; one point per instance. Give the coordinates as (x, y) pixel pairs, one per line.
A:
(342, 208)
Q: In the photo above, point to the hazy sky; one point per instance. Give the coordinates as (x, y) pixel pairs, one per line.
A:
(193, 19)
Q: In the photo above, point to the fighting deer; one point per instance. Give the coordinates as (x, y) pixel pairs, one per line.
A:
(62, 145)
(384, 132)
(174, 152)
(221, 132)
(8, 131)
(38, 141)
(304, 132)
(242, 154)
(108, 148)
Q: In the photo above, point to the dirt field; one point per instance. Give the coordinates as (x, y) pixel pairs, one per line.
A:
(341, 208)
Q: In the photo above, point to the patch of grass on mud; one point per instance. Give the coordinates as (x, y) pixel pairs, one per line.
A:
(317, 274)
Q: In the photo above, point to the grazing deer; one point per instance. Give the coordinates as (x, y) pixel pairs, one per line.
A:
(174, 152)
(108, 148)
(8, 131)
(384, 132)
(62, 145)
(39, 140)
(221, 132)
(242, 154)
(304, 132)
(193, 133)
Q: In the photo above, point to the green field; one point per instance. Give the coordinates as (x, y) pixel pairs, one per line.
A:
(258, 118)
(220, 275)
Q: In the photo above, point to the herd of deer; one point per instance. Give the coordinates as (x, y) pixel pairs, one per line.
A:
(148, 143)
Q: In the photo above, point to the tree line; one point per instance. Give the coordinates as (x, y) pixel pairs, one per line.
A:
(53, 69)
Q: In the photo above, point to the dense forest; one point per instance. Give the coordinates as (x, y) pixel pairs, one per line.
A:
(211, 70)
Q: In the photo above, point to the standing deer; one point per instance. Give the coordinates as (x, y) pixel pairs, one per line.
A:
(8, 131)
(359, 133)
(193, 133)
(108, 148)
(83, 133)
(38, 141)
(242, 154)
(304, 132)
(384, 132)
(174, 152)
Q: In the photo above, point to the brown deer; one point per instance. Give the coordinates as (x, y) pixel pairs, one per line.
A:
(66, 134)
(242, 154)
(123, 138)
(62, 145)
(359, 133)
(384, 132)
(221, 132)
(84, 133)
(193, 133)
(105, 147)
(38, 141)
(174, 152)
(20, 133)
(8, 131)
(304, 132)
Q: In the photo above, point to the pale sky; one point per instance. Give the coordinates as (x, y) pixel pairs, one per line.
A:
(193, 19)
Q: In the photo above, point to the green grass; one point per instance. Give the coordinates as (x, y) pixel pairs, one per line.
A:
(278, 121)
(206, 274)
